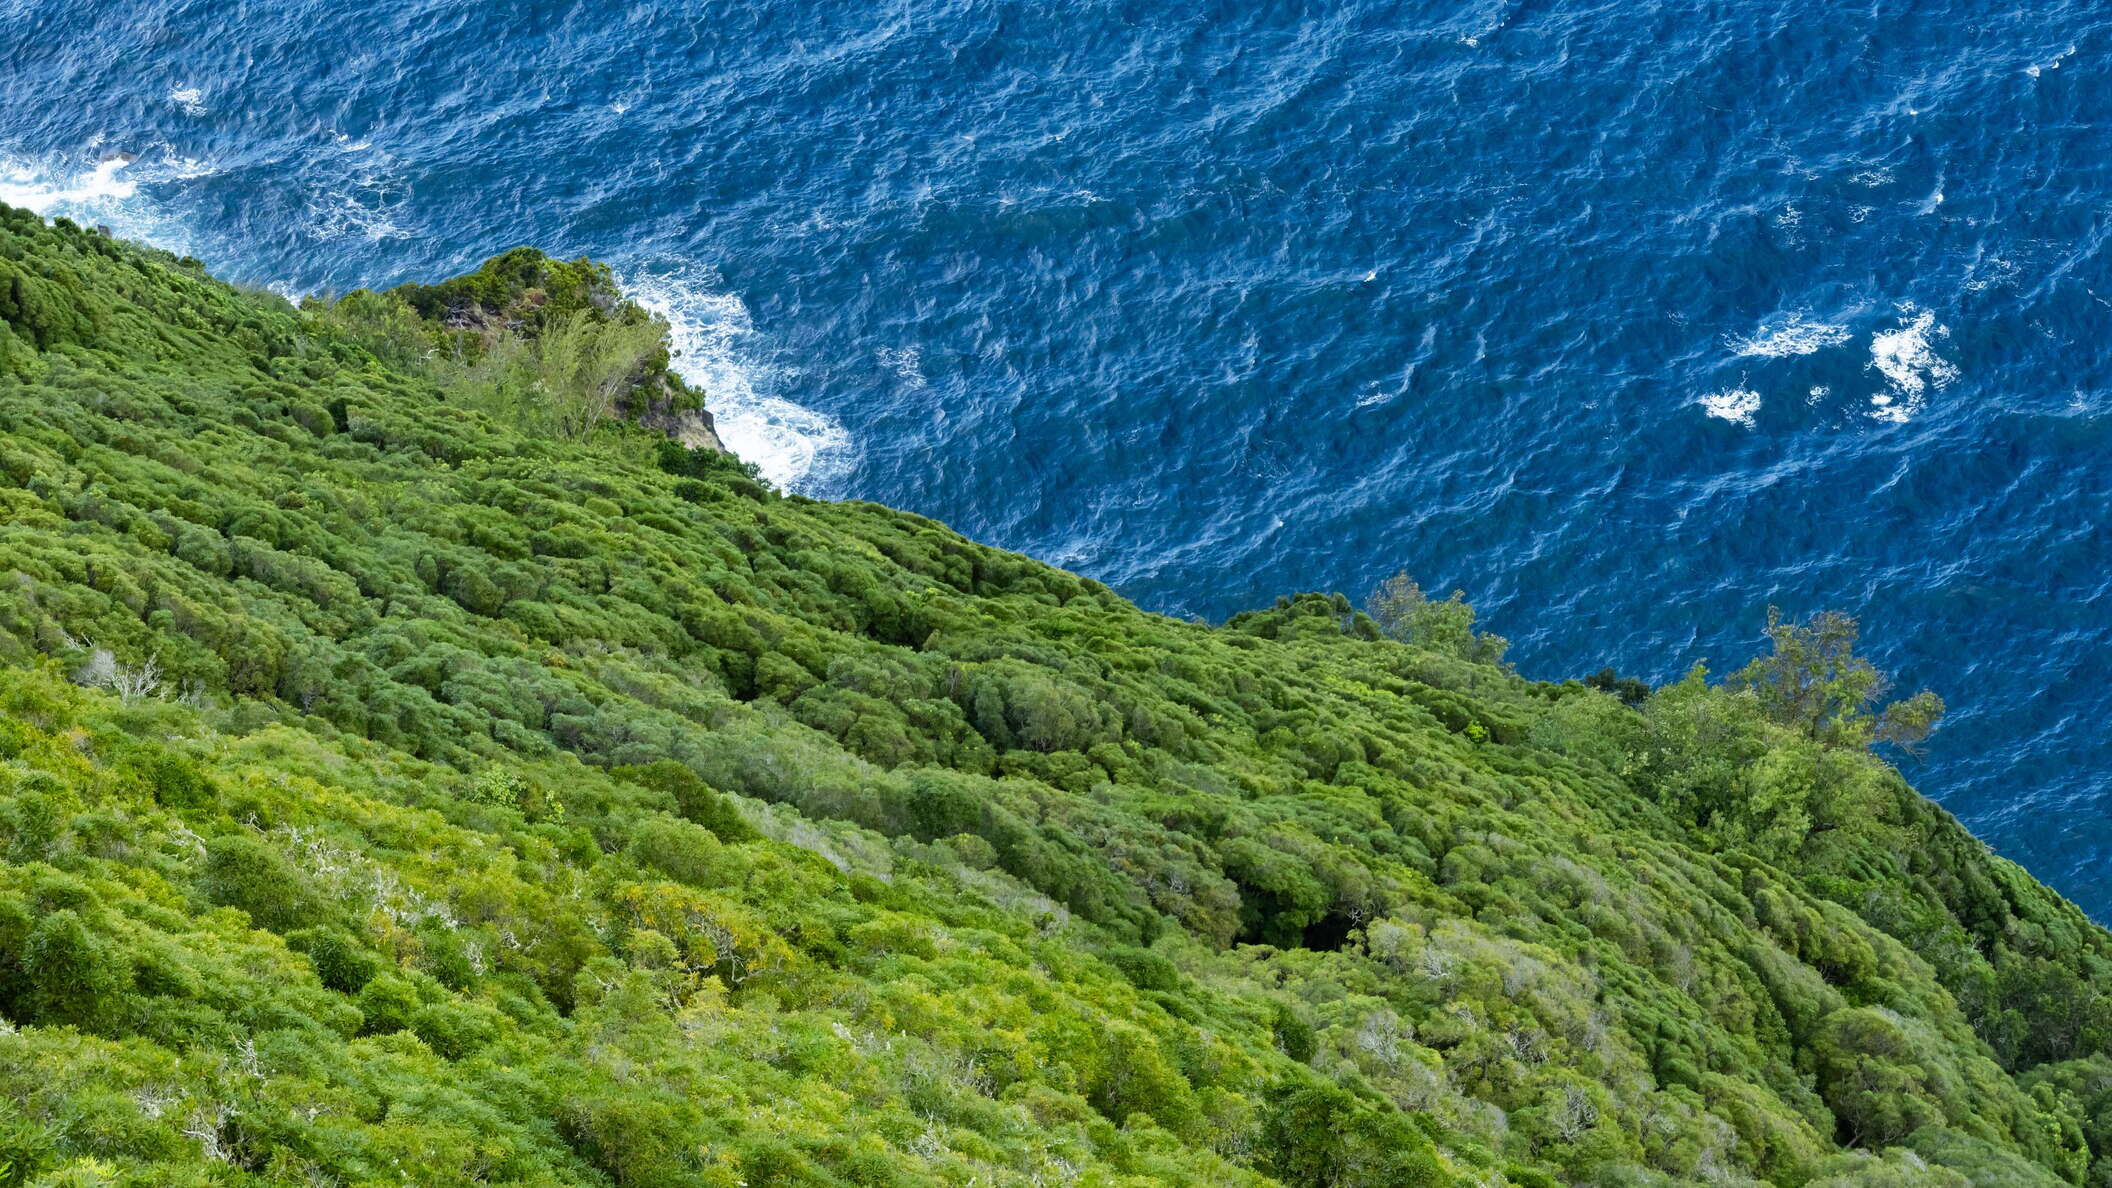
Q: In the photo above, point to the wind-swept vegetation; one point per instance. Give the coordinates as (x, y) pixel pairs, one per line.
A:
(413, 771)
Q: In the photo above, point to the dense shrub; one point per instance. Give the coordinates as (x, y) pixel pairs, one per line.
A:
(406, 780)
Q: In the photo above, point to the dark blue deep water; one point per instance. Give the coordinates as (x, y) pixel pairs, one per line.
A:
(1629, 318)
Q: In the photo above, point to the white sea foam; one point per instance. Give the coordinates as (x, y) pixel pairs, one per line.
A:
(795, 448)
(906, 362)
(31, 187)
(1795, 335)
(341, 215)
(184, 168)
(2053, 63)
(363, 201)
(1989, 271)
(1886, 407)
(117, 191)
(1910, 365)
(189, 100)
(1736, 405)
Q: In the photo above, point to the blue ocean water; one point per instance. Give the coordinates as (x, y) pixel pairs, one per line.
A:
(1630, 319)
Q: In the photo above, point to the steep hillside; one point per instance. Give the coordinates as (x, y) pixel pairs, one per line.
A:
(411, 773)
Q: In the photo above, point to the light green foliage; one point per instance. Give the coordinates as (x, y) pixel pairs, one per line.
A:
(1402, 611)
(1814, 681)
(566, 380)
(536, 804)
(545, 345)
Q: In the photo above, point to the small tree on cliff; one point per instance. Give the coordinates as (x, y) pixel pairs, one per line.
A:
(1814, 681)
(1403, 612)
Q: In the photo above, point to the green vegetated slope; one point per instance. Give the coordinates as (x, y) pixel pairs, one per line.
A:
(398, 787)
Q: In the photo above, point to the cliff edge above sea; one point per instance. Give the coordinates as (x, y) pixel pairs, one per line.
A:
(426, 757)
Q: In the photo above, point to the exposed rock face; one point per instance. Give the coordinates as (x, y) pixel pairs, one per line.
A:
(693, 428)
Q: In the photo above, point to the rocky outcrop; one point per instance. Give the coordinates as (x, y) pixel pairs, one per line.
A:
(666, 405)
(693, 427)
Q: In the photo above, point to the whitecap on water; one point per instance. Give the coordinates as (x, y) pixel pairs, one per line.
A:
(189, 100)
(906, 362)
(364, 190)
(341, 215)
(116, 191)
(2053, 63)
(795, 448)
(1989, 271)
(1795, 335)
(1736, 405)
(1910, 365)
(26, 185)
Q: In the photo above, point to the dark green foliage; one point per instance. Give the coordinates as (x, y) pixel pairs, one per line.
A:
(395, 789)
(1318, 1134)
(248, 873)
(46, 310)
(1631, 691)
(174, 779)
(387, 1003)
(25, 1149)
(2085, 1087)
(729, 473)
(691, 797)
(342, 961)
(69, 975)
(522, 284)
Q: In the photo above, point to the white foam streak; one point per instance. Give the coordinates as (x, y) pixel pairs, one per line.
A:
(1796, 336)
(1736, 405)
(2054, 63)
(906, 362)
(25, 186)
(346, 216)
(366, 197)
(118, 192)
(1910, 365)
(796, 448)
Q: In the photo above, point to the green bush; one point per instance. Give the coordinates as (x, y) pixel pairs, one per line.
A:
(593, 815)
(246, 872)
(70, 976)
